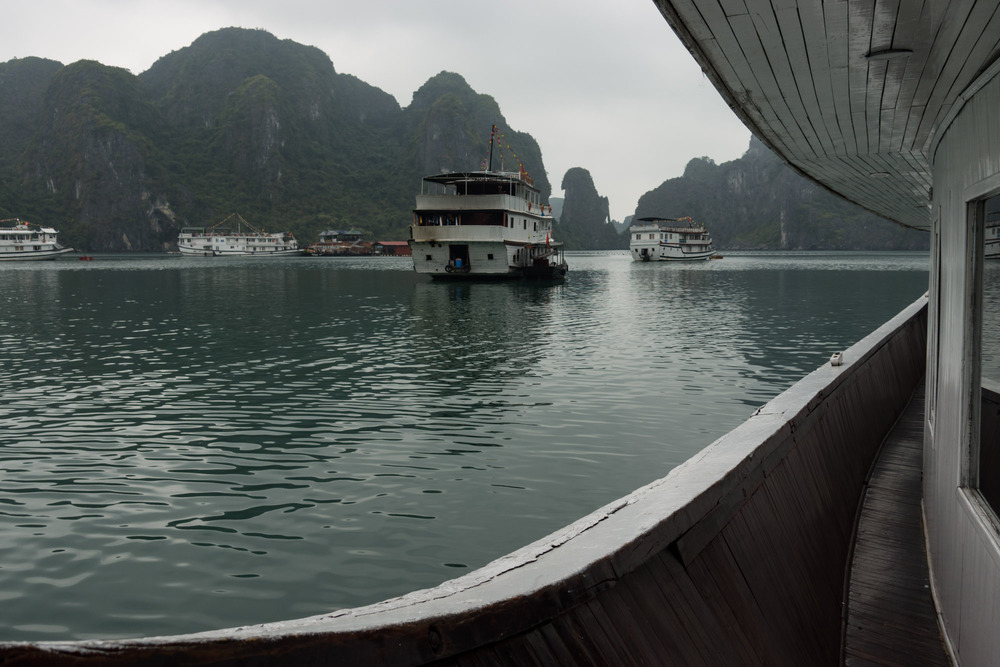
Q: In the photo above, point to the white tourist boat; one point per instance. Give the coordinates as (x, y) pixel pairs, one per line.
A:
(669, 239)
(221, 241)
(20, 241)
(484, 224)
(991, 239)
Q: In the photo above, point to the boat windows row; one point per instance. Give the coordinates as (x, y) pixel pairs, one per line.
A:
(492, 218)
(24, 237)
(670, 237)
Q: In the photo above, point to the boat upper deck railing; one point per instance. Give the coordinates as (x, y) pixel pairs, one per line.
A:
(214, 233)
(478, 183)
(668, 224)
(486, 176)
(494, 202)
(18, 226)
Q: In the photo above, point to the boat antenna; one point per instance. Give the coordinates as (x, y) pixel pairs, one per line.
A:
(492, 134)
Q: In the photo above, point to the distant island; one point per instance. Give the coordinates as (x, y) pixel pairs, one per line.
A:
(240, 120)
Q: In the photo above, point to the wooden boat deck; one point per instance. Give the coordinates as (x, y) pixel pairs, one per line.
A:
(890, 617)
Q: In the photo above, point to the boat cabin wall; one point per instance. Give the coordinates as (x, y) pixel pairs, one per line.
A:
(461, 259)
(963, 529)
(537, 226)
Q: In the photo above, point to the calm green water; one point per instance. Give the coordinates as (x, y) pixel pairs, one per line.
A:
(188, 444)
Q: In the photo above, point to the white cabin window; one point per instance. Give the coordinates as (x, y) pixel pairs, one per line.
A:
(984, 455)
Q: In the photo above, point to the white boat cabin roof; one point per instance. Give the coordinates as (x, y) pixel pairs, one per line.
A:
(480, 182)
(18, 225)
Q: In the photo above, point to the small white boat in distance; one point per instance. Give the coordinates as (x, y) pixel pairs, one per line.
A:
(669, 240)
(20, 241)
(219, 241)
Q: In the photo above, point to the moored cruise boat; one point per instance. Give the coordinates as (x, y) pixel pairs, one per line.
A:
(219, 241)
(20, 241)
(669, 239)
(484, 224)
(991, 239)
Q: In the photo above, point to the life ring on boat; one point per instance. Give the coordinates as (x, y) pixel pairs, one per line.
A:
(448, 268)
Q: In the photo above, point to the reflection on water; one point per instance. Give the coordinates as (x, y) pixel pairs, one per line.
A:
(991, 320)
(188, 444)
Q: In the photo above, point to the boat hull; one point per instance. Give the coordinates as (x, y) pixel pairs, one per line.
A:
(487, 260)
(670, 255)
(216, 251)
(33, 255)
(263, 253)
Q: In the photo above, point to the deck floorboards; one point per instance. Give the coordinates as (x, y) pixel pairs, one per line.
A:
(890, 613)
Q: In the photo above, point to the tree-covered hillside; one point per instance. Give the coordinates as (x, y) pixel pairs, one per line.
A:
(239, 121)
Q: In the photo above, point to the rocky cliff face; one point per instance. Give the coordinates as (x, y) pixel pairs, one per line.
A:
(23, 83)
(238, 121)
(90, 160)
(450, 125)
(585, 221)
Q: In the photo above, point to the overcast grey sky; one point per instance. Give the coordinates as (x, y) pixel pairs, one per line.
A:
(600, 84)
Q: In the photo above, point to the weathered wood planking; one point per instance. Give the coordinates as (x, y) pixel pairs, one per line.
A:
(890, 611)
(781, 51)
(951, 53)
(908, 26)
(813, 91)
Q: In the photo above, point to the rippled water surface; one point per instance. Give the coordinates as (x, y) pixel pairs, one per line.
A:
(188, 444)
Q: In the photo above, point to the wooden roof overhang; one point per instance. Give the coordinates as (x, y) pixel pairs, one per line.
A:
(850, 93)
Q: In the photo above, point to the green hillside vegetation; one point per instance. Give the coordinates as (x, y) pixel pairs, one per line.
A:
(240, 121)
